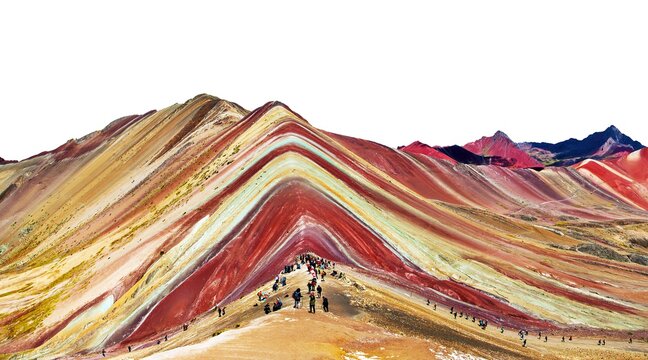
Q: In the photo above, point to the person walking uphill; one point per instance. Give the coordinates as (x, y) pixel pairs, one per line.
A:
(297, 296)
(311, 308)
(325, 304)
(319, 291)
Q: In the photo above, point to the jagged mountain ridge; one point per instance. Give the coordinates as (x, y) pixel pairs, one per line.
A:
(500, 150)
(598, 145)
(189, 207)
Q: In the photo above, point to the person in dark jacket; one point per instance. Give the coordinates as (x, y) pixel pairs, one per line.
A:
(297, 297)
(311, 307)
(325, 304)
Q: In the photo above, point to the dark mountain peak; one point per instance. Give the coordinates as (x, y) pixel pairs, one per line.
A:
(598, 145)
(613, 132)
(612, 128)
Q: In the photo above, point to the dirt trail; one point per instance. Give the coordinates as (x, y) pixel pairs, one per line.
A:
(367, 320)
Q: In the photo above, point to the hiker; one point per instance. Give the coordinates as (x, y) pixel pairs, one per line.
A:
(474, 320)
(129, 348)
(223, 310)
(455, 315)
(297, 296)
(323, 274)
(266, 309)
(310, 286)
(434, 307)
(502, 330)
(524, 343)
(283, 281)
(630, 341)
(103, 352)
(275, 286)
(545, 338)
(277, 305)
(325, 304)
(603, 342)
(220, 311)
(451, 309)
(539, 335)
(599, 342)
(570, 338)
(311, 308)
(165, 338)
(428, 302)
(319, 291)
(563, 339)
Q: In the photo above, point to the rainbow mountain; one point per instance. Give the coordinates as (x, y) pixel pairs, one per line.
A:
(132, 231)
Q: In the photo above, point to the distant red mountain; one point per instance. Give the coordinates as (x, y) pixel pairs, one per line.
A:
(418, 147)
(502, 146)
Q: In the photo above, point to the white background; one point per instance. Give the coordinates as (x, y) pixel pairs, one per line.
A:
(441, 72)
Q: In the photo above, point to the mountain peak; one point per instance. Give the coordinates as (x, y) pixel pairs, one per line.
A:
(613, 131)
(500, 134)
(501, 146)
(598, 145)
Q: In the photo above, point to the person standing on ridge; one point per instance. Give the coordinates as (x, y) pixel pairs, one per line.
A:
(311, 308)
(325, 304)
(297, 296)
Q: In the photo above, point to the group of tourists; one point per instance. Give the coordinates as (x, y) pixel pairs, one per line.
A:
(317, 268)
(523, 334)
(483, 324)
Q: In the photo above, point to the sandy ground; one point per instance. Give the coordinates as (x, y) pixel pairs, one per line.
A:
(367, 320)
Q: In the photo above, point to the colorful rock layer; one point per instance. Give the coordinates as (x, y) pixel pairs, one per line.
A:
(138, 228)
